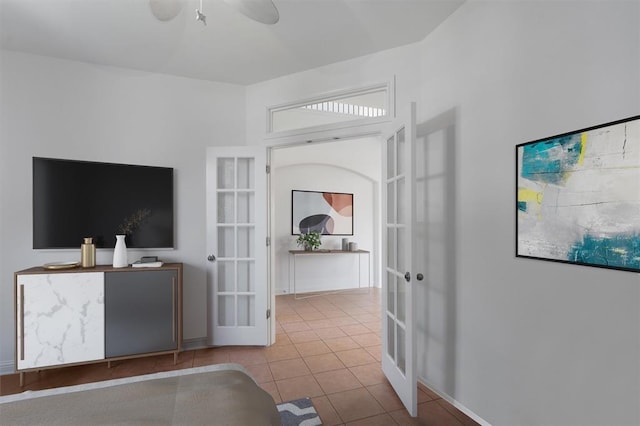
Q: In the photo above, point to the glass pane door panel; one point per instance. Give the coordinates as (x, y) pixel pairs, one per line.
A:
(226, 277)
(400, 250)
(400, 147)
(225, 172)
(391, 248)
(226, 241)
(401, 203)
(391, 293)
(226, 311)
(246, 276)
(391, 205)
(226, 213)
(245, 237)
(391, 160)
(420, 165)
(436, 192)
(401, 312)
(245, 207)
(369, 103)
(402, 357)
(246, 310)
(391, 341)
(421, 200)
(245, 173)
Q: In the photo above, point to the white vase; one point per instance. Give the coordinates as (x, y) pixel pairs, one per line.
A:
(120, 253)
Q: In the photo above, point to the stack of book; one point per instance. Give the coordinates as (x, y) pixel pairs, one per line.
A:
(147, 262)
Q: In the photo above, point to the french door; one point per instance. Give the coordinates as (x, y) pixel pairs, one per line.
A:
(398, 332)
(236, 246)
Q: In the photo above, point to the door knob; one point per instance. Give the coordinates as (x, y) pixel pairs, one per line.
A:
(419, 277)
(407, 277)
(211, 258)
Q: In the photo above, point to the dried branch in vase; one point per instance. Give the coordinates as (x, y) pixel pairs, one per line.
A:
(132, 222)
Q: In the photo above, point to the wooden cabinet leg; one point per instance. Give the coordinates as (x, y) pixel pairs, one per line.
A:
(175, 358)
(21, 379)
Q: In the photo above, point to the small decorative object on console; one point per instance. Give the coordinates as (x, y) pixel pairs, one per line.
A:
(60, 265)
(120, 253)
(142, 263)
(88, 253)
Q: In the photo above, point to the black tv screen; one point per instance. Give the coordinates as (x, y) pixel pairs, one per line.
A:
(73, 200)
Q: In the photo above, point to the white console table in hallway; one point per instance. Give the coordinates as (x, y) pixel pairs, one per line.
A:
(294, 254)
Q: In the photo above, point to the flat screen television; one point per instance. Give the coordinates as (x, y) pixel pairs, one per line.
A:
(74, 199)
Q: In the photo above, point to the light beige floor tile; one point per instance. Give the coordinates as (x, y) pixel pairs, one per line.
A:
(386, 396)
(367, 339)
(288, 368)
(303, 336)
(369, 374)
(281, 352)
(323, 362)
(330, 333)
(355, 404)
(378, 420)
(341, 343)
(337, 381)
(328, 415)
(312, 348)
(354, 357)
(355, 329)
(291, 327)
(298, 387)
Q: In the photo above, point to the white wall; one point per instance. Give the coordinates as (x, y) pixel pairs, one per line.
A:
(519, 341)
(348, 166)
(63, 109)
(529, 342)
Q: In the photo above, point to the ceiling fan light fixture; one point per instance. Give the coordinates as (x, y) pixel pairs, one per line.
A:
(263, 11)
(200, 16)
(165, 10)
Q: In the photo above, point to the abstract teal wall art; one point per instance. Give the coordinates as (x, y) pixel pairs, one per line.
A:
(578, 197)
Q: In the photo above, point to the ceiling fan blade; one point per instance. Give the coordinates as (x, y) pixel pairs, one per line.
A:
(263, 11)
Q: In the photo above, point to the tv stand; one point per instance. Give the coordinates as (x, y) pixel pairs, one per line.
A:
(88, 315)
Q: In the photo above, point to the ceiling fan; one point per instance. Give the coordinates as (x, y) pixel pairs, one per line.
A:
(263, 11)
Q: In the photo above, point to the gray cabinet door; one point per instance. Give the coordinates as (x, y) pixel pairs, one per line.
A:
(140, 312)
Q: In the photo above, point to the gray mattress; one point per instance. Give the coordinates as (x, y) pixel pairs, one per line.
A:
(219, 395)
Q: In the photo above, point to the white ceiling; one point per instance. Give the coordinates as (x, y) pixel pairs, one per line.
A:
(230, 48)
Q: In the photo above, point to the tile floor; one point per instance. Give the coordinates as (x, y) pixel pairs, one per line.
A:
(328, 348)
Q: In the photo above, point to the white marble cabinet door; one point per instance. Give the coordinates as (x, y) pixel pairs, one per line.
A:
(62, 321)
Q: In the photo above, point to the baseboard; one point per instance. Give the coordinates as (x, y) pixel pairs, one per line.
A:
(456, 404)
(192, 344)
(7, 367)
(283, 291)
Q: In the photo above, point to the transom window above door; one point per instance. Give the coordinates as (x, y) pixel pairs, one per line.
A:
(350, 107)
